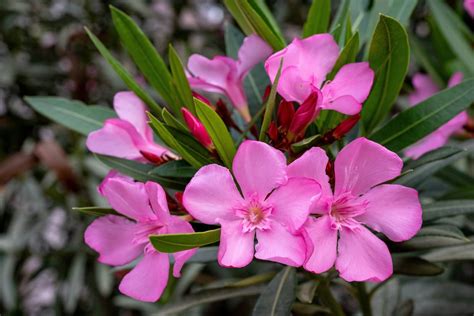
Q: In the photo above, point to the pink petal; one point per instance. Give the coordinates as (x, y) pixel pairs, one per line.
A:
(211, 195)
(252, 51)
(197, 83)
(179, 226)
(259, 168)
(158, 201)
(424, 86)
(147, 281)
(363, 164)
(112, 237)
(455, 79)
(291, 202)
(321, 244)
(216, 71)
(131, 108)
(312, 165)
(113, 140)
(393, 210)
(292, 87)
(128, 198)
(351, 85)
(279, 245)
(362, 256)
(236, 248)
(469, 6)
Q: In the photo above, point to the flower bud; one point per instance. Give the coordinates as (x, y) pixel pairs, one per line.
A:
(286, 112)
(197, 129)
(305, 115)
(345, 126)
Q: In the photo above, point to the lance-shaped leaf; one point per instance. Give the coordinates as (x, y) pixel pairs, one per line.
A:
(126, 77)
(170, 243)
(145, 57)
(460, 252)
(180, 81)
(389, 55)
(318, 18)
(72, 114)
(278, 296)
(415, 266)
(270, 105)
(433, 237)
(174, 169)
(218, 132)
(442, 209)
(414, 123)
(96, 210)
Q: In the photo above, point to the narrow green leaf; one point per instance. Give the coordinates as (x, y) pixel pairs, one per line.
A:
(318, 18)
(170, 120)
(442, 209)
(181, 82)
(96, 210)
(174, 169)
(270, 105)
(239, 16)
(218, 132)
(416, 122)
(170, 243)
(305, 144)
(72, 114)
(389, 56)
(126, 77)
(451, 33)
(278, 296)
(145, 56)
(460, 252)
(433, 237)
(415, 266)
(455, 177)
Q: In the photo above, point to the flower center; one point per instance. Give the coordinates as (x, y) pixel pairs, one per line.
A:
(345, 208)
(255, 215)
(144, 229)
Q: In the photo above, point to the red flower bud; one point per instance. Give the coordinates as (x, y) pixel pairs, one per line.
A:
(273, 132)
(286, 112)
(197, 129)
(305, 115)
(345, 126)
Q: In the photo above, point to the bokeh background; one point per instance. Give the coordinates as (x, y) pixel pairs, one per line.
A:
(45, 169)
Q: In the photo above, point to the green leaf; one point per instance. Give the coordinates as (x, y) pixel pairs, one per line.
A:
(455, 177)
(270, 105)
(174, 169)
(218, 132)
(433, 237)
(416, 122)
(318, 18)
(145, 56)
(72, 114)
(170, 120)
(278, 296)
(442, 209)
(305, 144)
(170, 243)
(126, 77)
(389, 56)
(239, 16)
(460, 252)
(180, 81)
(347, 56)
(415, 266)
(96, 210)
(141, 172)
(451, 33)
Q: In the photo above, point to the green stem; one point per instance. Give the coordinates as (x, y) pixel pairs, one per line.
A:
(324, 292)
(267, 117)
(364, 299)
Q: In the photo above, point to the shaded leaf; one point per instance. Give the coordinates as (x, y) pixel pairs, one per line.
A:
(96, 210)
(170, 243)
(318, 17)
(442, 209)
(415, 266)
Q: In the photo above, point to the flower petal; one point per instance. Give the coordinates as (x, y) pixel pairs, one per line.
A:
(291, 202)
(128, 198)
(321, 244)
(158, 201)
(252, 51)
(363, 164)
(216, 71)
(424, 86)
(211, 195)
(111, 236)
(279, 245)
(455, 79)
(147, 281)
(362, 256)
(236, 248)
(345, 105)
(259, 168)
(292, 87)
(131, 108)
(179, 226)
(393, 210)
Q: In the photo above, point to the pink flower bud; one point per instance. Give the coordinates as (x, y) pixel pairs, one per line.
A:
(197, 129)
(305, 115)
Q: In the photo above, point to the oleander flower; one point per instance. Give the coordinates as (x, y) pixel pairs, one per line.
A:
(338, 233)
(225, 75)
(425, 88)
(469, 7)
(307, 62)
(128, 136)
(121, 239)
(270, 208)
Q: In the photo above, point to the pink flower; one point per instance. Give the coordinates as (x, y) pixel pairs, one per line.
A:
(307, 62)
(271, 207)
(129, 136)
(197, 129)
(359, 200)
(225, 75)
(119, 240)
(425, 88)
(469, 6)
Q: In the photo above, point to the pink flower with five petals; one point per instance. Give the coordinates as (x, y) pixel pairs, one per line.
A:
(338, 234)
(270, 208)
(128, 136)
(307, 62)
(225, 75)
(120, 240)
